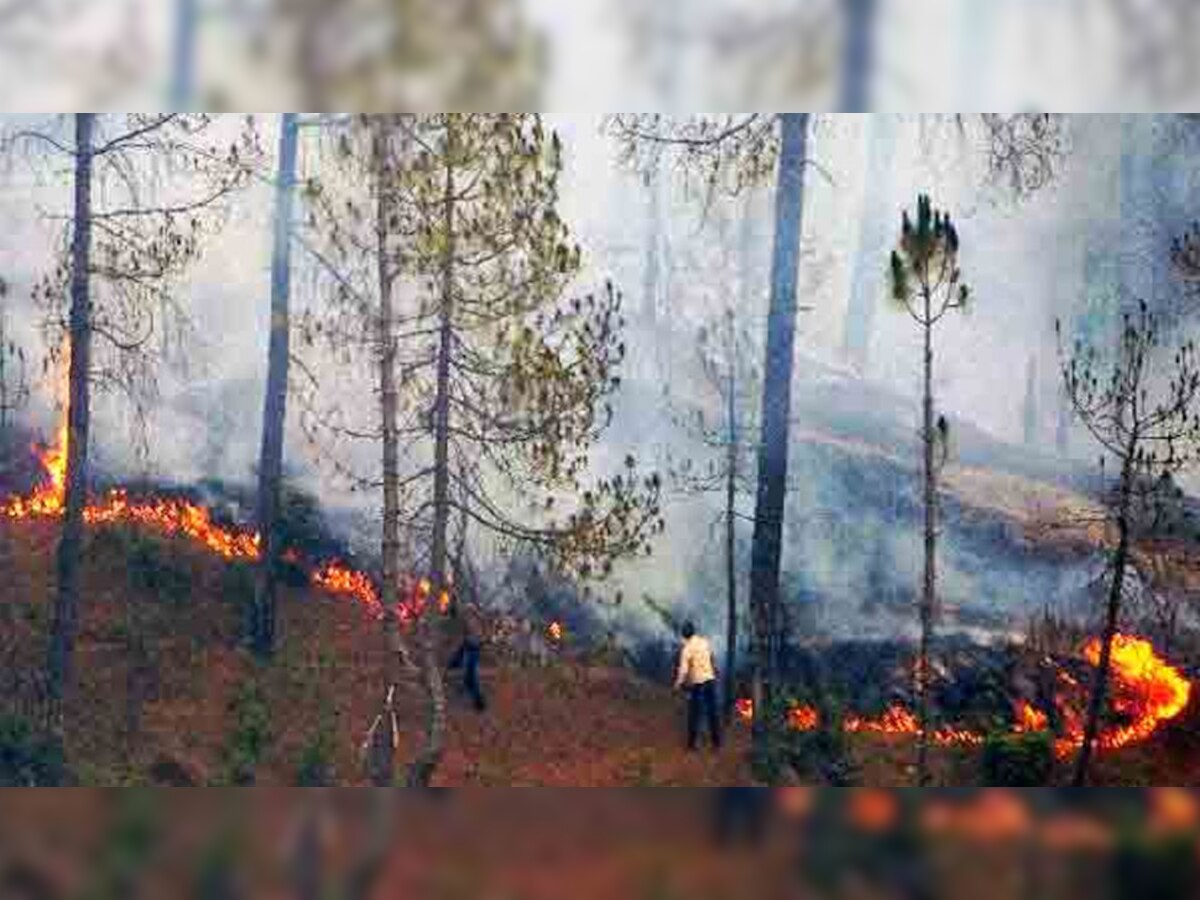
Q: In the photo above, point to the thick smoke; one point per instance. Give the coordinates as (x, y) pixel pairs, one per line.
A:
(852, 559)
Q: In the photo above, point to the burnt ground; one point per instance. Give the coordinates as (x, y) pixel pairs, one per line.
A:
(572, 720)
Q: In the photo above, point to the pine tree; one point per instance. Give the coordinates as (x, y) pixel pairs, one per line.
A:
(505, 381)
(110, 292)
(928, 285)
(1139, 405)
(725, 351)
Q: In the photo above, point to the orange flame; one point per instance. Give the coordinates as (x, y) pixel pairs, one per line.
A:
(1146, 693)
(177, 517)
(555, 632)
(745, 709)
(1030, 720)
(803, 718)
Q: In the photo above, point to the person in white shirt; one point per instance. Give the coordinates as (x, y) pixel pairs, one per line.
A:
(698, 674)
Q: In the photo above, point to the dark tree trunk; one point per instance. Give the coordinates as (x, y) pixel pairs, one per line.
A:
(929, 587)
(66, 604)
(1099, 693)
(270, 465)
(776, 413)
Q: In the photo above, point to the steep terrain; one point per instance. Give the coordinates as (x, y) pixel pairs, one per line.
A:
(177, 709)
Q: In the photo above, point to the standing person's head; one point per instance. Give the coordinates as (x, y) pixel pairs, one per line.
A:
(688, 631)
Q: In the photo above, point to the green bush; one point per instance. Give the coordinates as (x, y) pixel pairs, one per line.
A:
(1018, 760)
(28, 759)
(251, 735)
(316, 760)
(820, 756)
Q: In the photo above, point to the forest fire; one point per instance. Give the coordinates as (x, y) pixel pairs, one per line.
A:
(174, 517)
(1146, 693)
(803, 718)
(1030, 720)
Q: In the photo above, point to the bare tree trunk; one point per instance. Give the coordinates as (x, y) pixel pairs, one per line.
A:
(858, 55)
(270, 466)
(731, 632)
(389, 590)
(776, 413)
(66, 604)
(430, 757)
(1100, 685)
(929, 592)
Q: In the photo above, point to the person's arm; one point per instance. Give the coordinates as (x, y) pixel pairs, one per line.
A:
(682, 671)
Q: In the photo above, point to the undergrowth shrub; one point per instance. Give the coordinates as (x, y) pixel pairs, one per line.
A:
(316, 768)
(1018, 760)
(28, 759)
(819, 756)
(250, 737)
(151, 565)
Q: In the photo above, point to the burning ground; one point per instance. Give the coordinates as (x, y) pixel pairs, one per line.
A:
(172, 568)
(162, 661)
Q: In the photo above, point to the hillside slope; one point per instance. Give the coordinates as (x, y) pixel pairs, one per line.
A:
(564, 723)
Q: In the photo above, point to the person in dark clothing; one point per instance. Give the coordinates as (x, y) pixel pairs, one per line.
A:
(698, 674)
(466, 658)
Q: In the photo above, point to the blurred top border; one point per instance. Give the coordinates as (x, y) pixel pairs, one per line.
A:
(595, 55)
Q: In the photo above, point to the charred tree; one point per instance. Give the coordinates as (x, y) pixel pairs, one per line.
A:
(1140, 407)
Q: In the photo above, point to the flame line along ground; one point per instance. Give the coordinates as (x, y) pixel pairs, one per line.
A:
(1149, 692)
(1152, 692)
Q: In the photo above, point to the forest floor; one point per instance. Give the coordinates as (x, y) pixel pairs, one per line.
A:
(176, 707)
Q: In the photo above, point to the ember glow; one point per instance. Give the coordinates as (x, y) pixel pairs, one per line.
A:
(555, 632)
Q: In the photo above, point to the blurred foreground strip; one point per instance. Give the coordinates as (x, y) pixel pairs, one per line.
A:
(474, 55)
(546, 843)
